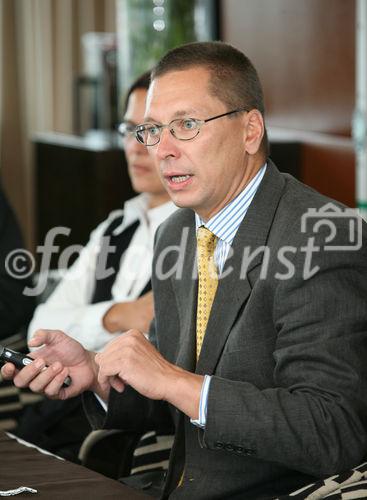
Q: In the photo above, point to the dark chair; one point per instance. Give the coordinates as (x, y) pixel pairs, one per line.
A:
(118, 454)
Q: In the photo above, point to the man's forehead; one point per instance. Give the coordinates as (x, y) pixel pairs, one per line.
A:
(182, 77)
(178, 93)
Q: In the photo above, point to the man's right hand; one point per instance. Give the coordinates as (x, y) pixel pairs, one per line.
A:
(64, 357)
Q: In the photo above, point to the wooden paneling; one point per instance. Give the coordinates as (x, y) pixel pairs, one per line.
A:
(323, 161)
(330, 170)
(304, 53)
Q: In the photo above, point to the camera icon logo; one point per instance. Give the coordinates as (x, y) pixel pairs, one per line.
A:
(327, 215)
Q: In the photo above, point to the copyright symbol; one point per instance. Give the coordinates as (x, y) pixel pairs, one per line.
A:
(19, 263)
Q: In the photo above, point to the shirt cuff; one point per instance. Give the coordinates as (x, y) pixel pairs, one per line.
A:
(101, 402)
(203, 404)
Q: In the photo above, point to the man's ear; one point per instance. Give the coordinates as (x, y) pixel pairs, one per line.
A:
(254, 131)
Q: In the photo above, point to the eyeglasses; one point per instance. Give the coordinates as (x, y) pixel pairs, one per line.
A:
(126, 129)
(184, 129)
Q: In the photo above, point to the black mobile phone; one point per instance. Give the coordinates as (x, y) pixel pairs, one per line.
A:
(21, 360)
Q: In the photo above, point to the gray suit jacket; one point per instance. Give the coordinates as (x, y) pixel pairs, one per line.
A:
(288, 399)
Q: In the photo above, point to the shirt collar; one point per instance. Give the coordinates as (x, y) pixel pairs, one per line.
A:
(225, 223)
(137, 209)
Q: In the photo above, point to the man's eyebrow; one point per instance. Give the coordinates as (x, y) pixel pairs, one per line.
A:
(148, 119)
(185, 112)
(191, 112)
(130, 122)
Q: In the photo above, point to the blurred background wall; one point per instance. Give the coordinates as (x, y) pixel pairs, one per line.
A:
(304, 51)
(40, 55)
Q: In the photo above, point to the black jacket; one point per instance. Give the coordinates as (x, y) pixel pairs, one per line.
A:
(16, 309)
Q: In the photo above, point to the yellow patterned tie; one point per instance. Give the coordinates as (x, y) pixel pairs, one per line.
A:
(208, 282)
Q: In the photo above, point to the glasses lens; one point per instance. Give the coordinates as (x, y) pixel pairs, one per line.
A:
(140, 134)
(185, 129)
(148, 133)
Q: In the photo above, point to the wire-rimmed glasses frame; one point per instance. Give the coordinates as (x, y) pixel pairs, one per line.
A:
(183, 129)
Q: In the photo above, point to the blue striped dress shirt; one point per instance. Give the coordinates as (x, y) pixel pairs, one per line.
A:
(225, 225)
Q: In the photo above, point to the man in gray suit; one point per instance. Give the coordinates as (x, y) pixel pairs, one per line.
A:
(267, 382)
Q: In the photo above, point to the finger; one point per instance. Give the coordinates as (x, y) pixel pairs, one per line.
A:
(39, 338)
(8, 371)
(111, 351)
(54, 389)
(45, 337)
(25, 376)
(44, 378)
(106, 374)
(117, 384)
(103, 380)
(110, 372)
(105, 388)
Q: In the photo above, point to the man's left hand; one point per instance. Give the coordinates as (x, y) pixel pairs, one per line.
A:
(132, 360)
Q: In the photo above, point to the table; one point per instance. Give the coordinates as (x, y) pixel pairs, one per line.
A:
(54, 478)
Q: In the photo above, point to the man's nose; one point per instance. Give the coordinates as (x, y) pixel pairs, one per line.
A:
(167, 146)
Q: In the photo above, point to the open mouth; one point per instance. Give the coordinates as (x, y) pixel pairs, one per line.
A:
(177, 179)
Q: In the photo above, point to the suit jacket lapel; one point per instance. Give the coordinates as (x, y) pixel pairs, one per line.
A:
(233, 292)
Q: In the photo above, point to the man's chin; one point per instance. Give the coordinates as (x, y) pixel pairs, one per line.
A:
(180, 202)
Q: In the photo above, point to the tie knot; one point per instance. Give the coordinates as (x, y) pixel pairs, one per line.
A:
(206, 239)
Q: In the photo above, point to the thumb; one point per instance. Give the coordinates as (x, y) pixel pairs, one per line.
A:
(46, 337)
